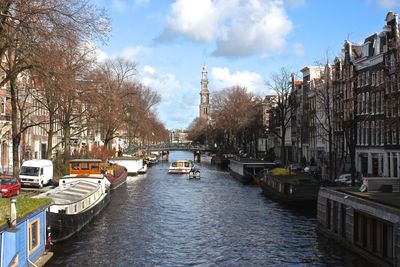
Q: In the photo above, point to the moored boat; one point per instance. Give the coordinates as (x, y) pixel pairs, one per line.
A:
(181, 166)
(290, 188)
(77, 199)
(132, 164)
(114, 172)
(143, 169)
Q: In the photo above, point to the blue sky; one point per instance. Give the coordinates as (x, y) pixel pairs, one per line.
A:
(241, 42)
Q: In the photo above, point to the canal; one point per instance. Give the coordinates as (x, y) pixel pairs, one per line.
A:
(159, 219)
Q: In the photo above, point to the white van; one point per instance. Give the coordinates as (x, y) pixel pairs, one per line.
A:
(36, 172)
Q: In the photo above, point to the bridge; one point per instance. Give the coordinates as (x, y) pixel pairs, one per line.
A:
(171, 147)
(176, 147)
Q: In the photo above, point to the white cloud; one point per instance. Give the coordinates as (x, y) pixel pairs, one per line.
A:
(239, 27)
(192, 18)
(135, 53)
(298, 49)
(223, 78)
(150, 70)
(120, 5)
(388, 3)
(164, 84)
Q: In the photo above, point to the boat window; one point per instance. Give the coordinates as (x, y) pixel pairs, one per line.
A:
(34, 237)
(85, 166)
(186, 164)
(174, 164)
(75, 207)
(95, 166)
(30, 171)
(41, 171)
(75, 165)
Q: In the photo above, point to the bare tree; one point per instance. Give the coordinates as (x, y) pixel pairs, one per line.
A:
(107, 109)
(281, 111)
(27, 25)
(233, 113)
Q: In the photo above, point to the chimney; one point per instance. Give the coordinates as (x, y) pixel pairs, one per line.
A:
(13, 219)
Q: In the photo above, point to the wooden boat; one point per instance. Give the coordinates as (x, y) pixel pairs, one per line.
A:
(290, 188)
(77, 200)
(181, 166)
(114, 172)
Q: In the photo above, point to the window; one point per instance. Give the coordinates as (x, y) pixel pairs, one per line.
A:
(85, 165)
(374, 235)
(34, 235)
(3, 105)
(378, 102)
(372, 103)
(372, 133)
(95, 166)
(75, 166)
(373, 79)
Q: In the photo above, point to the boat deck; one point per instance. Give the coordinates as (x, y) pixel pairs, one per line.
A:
(74, 193)
(390, 199)
(295, 179)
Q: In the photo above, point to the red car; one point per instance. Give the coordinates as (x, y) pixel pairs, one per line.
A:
(9, 186)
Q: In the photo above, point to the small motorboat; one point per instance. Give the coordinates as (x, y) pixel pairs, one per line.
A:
(194, 173)
(181, 166)
(143, 169)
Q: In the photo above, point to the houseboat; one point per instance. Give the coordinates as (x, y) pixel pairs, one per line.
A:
(132, 164)
(23, 240)
(114, 172)
(366, 223)
(249, 171)
(290, 188)
(78, 198)
(181, 166)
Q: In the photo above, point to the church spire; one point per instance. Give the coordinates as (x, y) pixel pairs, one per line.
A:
(204, 107)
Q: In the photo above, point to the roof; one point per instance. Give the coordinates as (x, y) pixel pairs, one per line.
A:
(85, 160)
(74, 193)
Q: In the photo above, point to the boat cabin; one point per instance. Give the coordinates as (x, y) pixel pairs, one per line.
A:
(24, 243)
(85, 166)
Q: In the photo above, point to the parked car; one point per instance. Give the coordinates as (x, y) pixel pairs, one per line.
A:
(314, 169)
(295, 167)
(345, 179)
(9, 186)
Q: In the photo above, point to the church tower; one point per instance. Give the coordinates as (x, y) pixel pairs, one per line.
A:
(204, 107)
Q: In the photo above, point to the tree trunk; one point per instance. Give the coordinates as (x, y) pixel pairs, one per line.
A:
(16, 135)
(66, 140)
(283, 151)
(50, 137)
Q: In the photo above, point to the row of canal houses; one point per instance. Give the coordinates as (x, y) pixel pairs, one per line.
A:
(348, 114)
(349, 110)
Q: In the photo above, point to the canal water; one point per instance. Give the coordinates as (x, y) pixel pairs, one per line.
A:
(158, 219)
